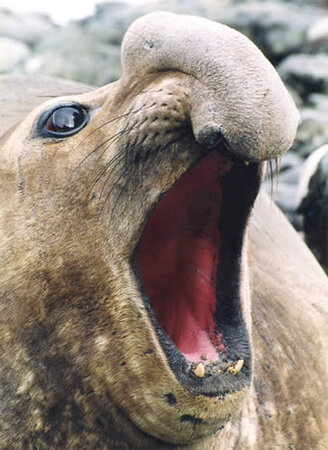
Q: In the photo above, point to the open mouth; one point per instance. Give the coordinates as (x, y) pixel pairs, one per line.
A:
(188, 261)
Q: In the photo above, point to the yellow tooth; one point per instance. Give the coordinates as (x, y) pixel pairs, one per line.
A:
(246, 163)
(199, 371)
(236, 367)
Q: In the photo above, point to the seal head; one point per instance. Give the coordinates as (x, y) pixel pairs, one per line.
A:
(124, 279)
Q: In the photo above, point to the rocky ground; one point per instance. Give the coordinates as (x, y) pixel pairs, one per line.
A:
(292, 34)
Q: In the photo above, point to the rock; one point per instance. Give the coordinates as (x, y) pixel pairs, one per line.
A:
(278, 29)
(284, 188)
(284, 194)
(206, 8)
(312, 131)
(285, 197)
(290, 160)
(110, 21)
(314, 205)
(308, 168)
(305, 73)
(317, 36)
(28, 28)
(290, 176)
(75, 55)
(318, 101)
(15, 52)
(308, 2)
(98, 68)
(295, 96)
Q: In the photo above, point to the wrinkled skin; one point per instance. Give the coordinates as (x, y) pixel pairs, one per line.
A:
(80, 362)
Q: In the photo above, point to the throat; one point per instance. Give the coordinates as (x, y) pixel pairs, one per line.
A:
(178, 259)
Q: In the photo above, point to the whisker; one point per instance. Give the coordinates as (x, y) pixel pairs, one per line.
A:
(126, 151)
(111, 163)
(64, 94)
(48, 96)
(120, 156)
(109, 140)
(273, 168)
(115, 158)
(276, 171)
(112, 160)
(111, 190)
(103, 125)
(150, 158)
(270, 166)
(277, 161)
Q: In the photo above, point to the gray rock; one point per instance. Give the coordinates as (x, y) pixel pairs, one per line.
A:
(295, 96)
(278, 29)
(305, 73)
(97, 68)
(76, 55)
(29, 28)
(283, 189)
(318, 101)
(317, 36)
(314, 208)
(110, 21)
(290, 160)
(284, 194)
(14, 53)
(323, 3)
(290, 176)
(206, 8)
(312, 131)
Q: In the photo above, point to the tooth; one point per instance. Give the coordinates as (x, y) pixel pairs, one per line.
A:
(199, 371)
(246, 163)
(236, 367)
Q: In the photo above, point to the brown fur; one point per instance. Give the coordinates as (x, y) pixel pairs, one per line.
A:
(80, 363)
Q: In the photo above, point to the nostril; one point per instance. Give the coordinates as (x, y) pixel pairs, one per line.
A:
(209, 135)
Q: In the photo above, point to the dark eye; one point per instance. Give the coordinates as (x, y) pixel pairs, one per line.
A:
(63, 121)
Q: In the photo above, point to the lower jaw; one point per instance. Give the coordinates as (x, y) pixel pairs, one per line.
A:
(188, 263)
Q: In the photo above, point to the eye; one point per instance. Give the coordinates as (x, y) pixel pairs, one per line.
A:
(63, 121)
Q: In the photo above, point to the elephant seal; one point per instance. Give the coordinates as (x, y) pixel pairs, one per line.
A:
(141, 305)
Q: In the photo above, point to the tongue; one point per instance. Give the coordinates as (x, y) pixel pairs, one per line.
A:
(178, 257)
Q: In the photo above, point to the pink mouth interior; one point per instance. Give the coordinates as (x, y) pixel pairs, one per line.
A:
(178, 258)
